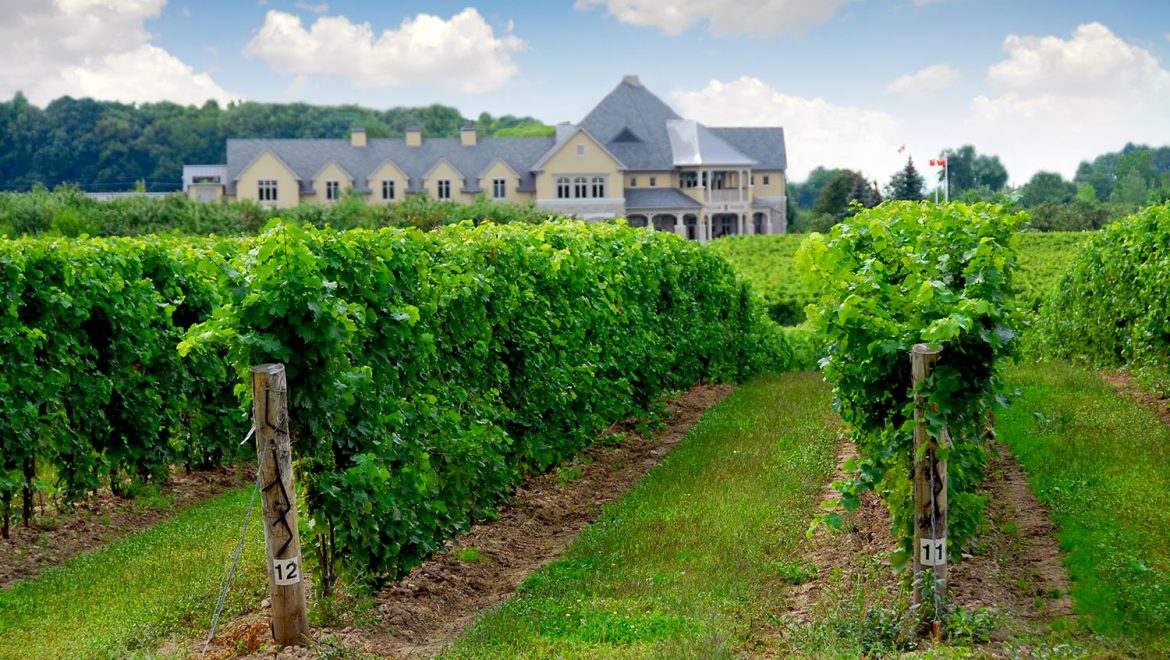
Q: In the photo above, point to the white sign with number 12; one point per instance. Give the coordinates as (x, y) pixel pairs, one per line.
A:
(932, 552)
(286, 571)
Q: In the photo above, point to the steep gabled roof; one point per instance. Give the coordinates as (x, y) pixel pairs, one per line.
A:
(630, 110)
(539, 166)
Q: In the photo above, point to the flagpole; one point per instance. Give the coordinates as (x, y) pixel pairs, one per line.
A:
(947, 179)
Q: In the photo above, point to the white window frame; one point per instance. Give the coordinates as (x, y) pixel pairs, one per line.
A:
(499, 188)
(766, 177)
(332, 191)
(266, 190)
(580, 150)
(443, 189)
(597, 187)
(388, 189)
(580, 187)
(564, 187)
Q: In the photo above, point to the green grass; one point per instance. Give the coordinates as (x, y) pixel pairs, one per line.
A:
(693, 561)
(1102, 462)
(128, 598)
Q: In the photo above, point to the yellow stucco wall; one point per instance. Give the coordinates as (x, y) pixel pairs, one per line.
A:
(204, 191)
(268, 166)
(566, 162)
(500, 170)
(662, 179)
(331, 172)
(775, 186)
(444, 170)
(388, 171)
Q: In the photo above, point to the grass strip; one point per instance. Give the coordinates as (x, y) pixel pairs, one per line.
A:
(126, 599)
(695, 558)
(1102, 462)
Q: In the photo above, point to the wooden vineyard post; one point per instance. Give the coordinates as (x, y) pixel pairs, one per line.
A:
(286, 583)
(930, 495)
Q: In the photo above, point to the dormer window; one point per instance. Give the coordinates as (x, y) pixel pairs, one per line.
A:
(387, 189)
(266, 190)
(444, 189)
(499, 188)
(332, 190)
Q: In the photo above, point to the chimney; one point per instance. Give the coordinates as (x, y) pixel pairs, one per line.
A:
(414, 137)
(467, 136)
(631, 79)
(357, 138)
(564, 130)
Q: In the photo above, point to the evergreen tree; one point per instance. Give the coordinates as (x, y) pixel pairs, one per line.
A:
(907, 184)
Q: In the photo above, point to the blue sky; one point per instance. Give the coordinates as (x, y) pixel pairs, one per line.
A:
(1043, 83)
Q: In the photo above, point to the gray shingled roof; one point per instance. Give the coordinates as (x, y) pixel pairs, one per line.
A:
(765, 145)
(307, 157)
(658, 198)
(631, 111)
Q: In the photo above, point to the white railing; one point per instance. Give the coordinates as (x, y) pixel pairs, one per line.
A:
(732, 195)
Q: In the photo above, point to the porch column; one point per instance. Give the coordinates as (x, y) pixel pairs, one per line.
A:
(680, 224)
(750, 223)
(768, 222)
(739, 229)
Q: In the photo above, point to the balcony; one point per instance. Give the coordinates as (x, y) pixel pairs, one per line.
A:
(726, 195)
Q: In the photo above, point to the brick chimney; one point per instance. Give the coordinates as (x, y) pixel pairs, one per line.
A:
(467, 136)
(414, 137)
(357, 138)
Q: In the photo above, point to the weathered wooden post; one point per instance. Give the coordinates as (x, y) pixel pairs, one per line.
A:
(930, 493)
(286, 584)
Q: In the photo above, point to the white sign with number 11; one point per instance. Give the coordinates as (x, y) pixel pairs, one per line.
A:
(932, 552)
(286, 571)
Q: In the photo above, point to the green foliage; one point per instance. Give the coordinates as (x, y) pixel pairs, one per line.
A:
(1111, 307)
(1137, 175)
(844, 189)
(1043, 259)
(428, 371)
(92, 384)
(107, 145)
(892, 277)
(907, 184)
(969, 170)
(769, 262)
(68, 212)
(1046, 188)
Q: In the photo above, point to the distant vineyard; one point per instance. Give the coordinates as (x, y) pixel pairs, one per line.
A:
(768, 262)
(70, 213)
(1111, 307)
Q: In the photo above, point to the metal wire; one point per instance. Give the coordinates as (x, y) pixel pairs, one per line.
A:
(227, 585)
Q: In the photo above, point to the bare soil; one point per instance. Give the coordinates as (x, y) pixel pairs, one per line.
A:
(58, 533)
(1124, 383)
(1016, 569)
(432, 605)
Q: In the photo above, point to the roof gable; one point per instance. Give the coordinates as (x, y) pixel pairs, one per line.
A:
(692, 143)
(326, 166)
(556, 148)
(630, 110)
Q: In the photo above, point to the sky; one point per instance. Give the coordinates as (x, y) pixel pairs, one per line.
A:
(1043, 84)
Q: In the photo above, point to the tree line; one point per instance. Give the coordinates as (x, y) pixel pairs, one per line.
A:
(1110, 186)
(107, 145)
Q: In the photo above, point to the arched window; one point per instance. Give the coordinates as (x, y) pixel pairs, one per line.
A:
(599, 186)
(563, 187)
(580, 188)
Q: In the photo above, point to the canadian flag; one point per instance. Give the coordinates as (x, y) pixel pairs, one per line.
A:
(938, 162)
(901, 148)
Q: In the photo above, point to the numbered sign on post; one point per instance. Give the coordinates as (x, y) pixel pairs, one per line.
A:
(932, 552)
(286, 571)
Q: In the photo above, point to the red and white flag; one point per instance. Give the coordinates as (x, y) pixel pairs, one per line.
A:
(938, 162)
(901, 148)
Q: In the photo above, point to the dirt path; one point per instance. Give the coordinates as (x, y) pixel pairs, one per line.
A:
(1124, 383)
(57, 535)
(423, 613)
(1016, 569)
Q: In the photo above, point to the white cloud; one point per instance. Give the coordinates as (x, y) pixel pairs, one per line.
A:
(816, 132)
(462, 53)
(316, 9)
(923, 3)
(758, 18)
(930, 79)
(96, 48)
(1061, 101)
(186, 12)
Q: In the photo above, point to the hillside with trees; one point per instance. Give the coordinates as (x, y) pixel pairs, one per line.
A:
(105, 145)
